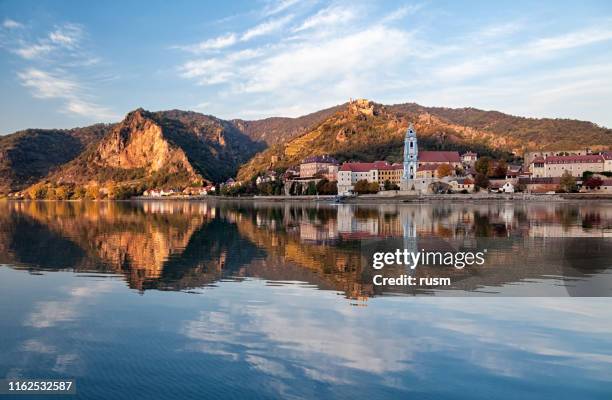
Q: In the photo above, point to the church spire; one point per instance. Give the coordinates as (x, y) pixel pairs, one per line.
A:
(411, 153)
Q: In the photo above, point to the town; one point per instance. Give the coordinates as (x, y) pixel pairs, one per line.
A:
(424, 172)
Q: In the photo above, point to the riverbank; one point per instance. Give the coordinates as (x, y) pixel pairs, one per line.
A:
(424, 198)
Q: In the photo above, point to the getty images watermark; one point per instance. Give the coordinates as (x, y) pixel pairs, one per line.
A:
(412, 259)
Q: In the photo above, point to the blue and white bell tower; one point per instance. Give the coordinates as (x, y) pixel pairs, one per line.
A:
(411, 155)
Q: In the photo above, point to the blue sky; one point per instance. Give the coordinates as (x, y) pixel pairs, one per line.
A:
(73, 63)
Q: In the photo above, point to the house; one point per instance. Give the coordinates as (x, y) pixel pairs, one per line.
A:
(507, 187)
(514, 171)
(268, 176)
(532, 155)
(319, 165)
(427, 171)
(290, 174)
(540, 185)
(460, 184)
(469, 158)
(556, 166)
(195, 191)
(440, 157)
(379, 171)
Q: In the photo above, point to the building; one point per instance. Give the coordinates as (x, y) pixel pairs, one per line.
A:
(438, 158)
(427, 171)
(269, 176)
(460, 184)
(556, 166)
(469, 158)
(540, 185)
(319, 165)
(607, 160)
(379, 171)
(420, 167)
(605, 187)
(529, 156)
(514, 171)
(411, 154)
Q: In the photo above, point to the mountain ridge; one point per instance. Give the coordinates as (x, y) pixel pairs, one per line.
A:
(175, 146)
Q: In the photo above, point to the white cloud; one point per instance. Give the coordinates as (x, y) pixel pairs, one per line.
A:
(65, 60)
(47, 85)
(402, 12)
(328, 16)
(217, 43)
(68, 35)
(267, 27)
(11, 24)
(278, 6)
(34, 50)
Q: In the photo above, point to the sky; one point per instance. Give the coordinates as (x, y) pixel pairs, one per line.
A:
(73, 63)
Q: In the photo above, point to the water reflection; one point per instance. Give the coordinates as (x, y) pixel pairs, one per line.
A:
(533, 248)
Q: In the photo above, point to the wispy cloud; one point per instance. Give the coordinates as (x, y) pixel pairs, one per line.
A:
(11, 24)
(48, 85)
(54, 63)
(276, 7)
(216, 43)
(267, 27)
(328, 16)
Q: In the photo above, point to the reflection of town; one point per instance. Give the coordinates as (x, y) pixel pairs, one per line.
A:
(174, 245)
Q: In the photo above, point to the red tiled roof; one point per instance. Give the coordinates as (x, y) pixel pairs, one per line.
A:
(357, 167)
(469, 153)
(439, 156)
(591, 158)
(428, 167)
(365, 167)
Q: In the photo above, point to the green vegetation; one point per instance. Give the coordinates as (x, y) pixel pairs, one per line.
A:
(365, 187)
(567, 184)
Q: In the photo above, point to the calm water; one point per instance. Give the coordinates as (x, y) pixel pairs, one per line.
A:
(272, 300)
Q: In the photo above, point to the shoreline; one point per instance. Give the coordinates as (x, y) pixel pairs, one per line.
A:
(372, 198)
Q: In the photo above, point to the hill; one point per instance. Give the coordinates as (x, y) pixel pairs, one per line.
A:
(161, 149)
(30, 155)
(275, 129)
(367, 131)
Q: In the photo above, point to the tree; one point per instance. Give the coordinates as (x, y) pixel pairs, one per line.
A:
(92, 192)
(593, 182)
(62, 193)
(311, 189)
(483, 165)
(321, 184)
(38, 191)
(481, 180)
(364, 187)
(79, 193)
(567, 183)
(501, 169)
(390, 186)
(444, 170)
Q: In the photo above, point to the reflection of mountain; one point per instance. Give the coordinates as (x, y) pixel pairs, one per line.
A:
(181, 245)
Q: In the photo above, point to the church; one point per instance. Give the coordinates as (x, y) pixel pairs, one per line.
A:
(420, 167)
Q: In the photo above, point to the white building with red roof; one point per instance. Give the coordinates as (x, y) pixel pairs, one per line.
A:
(439, 157)
(576, 165)
(379, 171)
